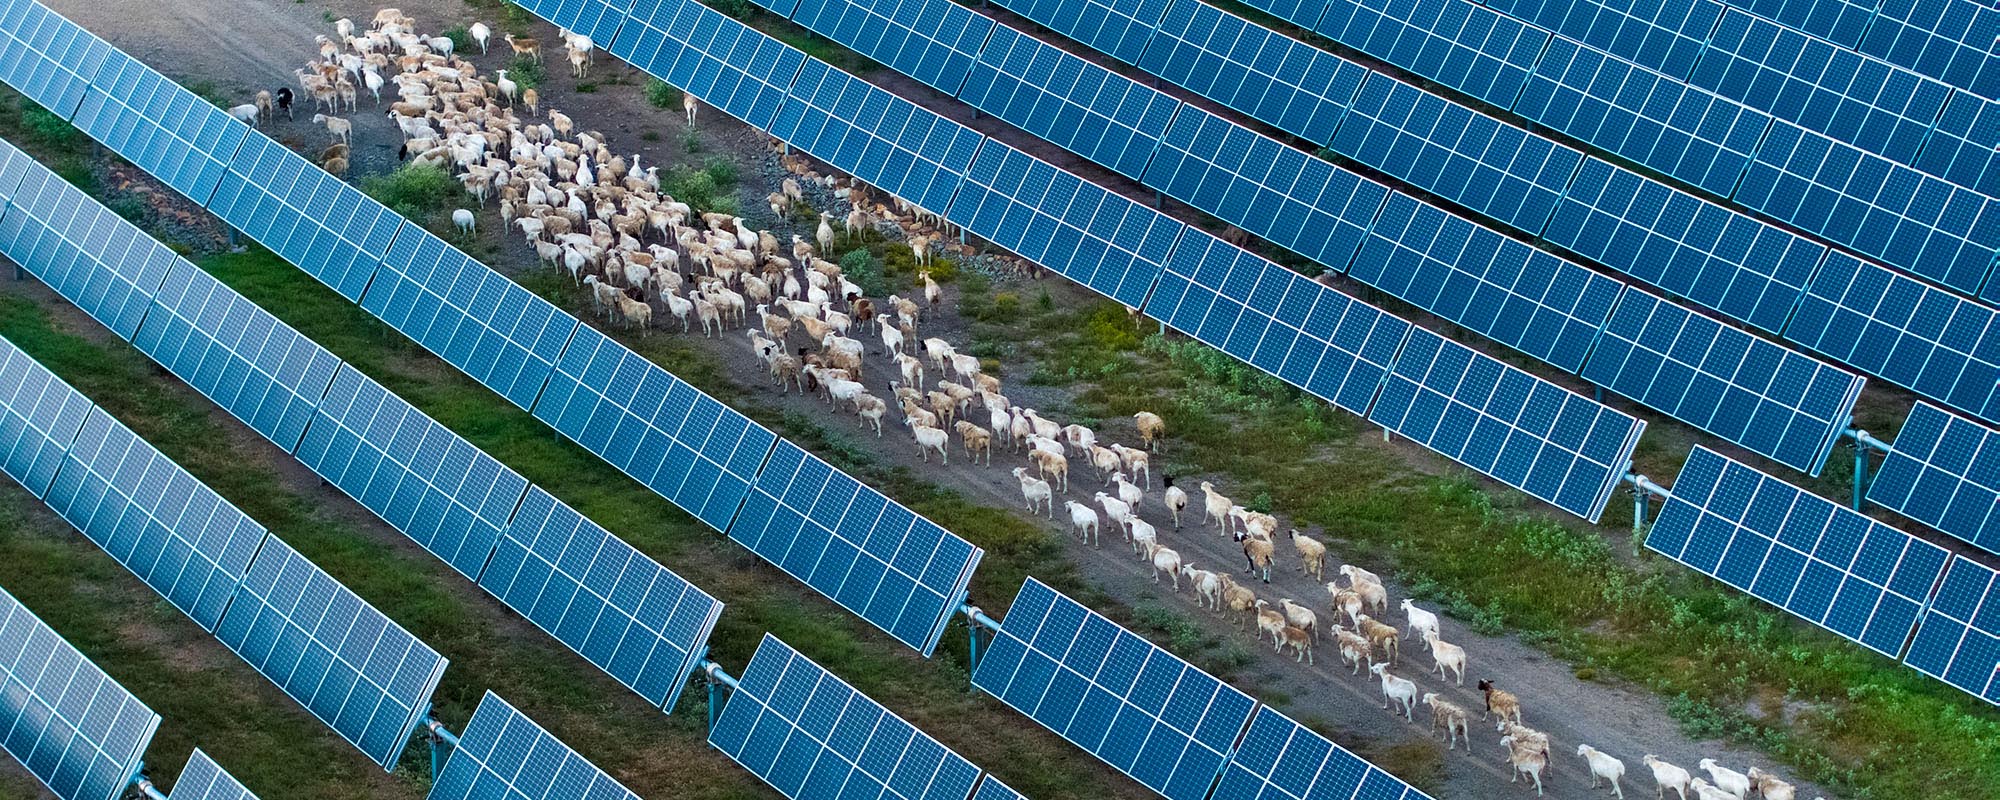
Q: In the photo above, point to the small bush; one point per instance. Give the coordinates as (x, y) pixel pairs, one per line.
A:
(690, 141)
(419, 193)
(865, 271)
(722, 171)
(586, 88)
(650, 136)
(739, 9)
(662, 94)
(526, 71)
(131, 207)
(461, 39)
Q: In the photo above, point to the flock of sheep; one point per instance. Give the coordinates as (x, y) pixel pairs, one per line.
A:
(603, 218)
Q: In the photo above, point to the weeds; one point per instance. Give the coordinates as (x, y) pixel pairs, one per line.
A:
(461, 39)
(526, 72)
(421, 193)
(661, 94)
(861, 267)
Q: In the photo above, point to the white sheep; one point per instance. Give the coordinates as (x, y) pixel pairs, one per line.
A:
(1602, 765)
(1450, 716)
(1728, 781)
(1083, 522)
(1165, 560)
(1217, 506)
(928, 439)
(468, 225)
(1345, 601)
(480, 33)
(1080, 438)
(1176, 500)
(1299, 616)
(1115, 509)
(1142, 536)
(1769, 786)
(246, 113)
(1035, 491)
(1398, 689)
(1667, 776)
(1445, 655)
(338, 128)
(1207, 586)
(1312, 554)
(1707, 791)
(1419, 620)
(1137, 463)
(1128, 491)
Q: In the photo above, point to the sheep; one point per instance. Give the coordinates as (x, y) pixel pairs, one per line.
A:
(1217, 506)
(1136, 463)
(940, 352)
(1355, 574)
(976, 440)
(1083, 522)
(706, 313)
(339, 129)
(914, 414)
(1080, 438)
(1345, 601)
(468, 225)
(1299, 616)
(1043, 428)
(1707, 791)
(1446, 655)
(636, 313)
(1450, 716)
(246, 113)
(1239, 600)
(1141, 536)
(688, 104)
(1312, 554)
(1165, 560)
(1257, 553)
(1381, 636)
(1128, 491)
(1106, 461)
(1398, 689)
(1419, 620)
(1256, 524)
(928, 439)
(1527, 759)
(1269, 622)
(1047, 462)
(1207, 587)
(480, 33)
(1175, 499)
(1115, 509)
(1602, 765)
(1768, 785)
(1667, 776)
(1367, 586)
(284, 96)
(1152, 429)
(1299, 641)
(533, 100)
(1353, 647)
(1728, 781)
(870, 409)
(1501, 702)
(1035, 491)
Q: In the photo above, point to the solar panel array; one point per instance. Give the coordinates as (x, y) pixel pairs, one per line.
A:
(1275, 79)
(1280, 759)
(1951, 40)
(504, 755)
(722, 61)
(49, 59)
(1964, 148)
(203, 779)
(1958, 641)
(39, 417)
(934, 42)
(875, 135)
(1473, 49)
(176, 135)
(308, 217)
(1119, 28)
(83, 250)
(1092, 111)
(74, 728)
(1944, 471)
(1665, 36)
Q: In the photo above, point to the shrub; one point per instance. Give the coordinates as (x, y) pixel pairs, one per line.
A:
(526, 71)
(461, 39)
(722, 171)
(419, 193)
(865, 271)
(662, 94)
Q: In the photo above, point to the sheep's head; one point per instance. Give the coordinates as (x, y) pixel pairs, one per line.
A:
(1584, 750)
(1430, 698)
(1380, 670)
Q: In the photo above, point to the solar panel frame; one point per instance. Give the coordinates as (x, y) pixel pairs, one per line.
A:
(1964, 146)
(349, 664)
(171, 530)
(1117, 28)
(1949, 40)
(312, 219)
(1303, 13)
(1558, 446)
(598, 19)
(51, 60)
(1667, 37)
(709, 59)
(869, 554)
(40, 416)
(203, 779)
(1470, 48)
(417, 475)
(809, 734)
(1838, 21)
(1858, 565)
(614, 605)
(1944, 471)
(993, 789)
(504, 755)
(174, 135)
(934, 41)
(84, 738)
(1280, 759)
(642, 40)
(1272, 78)
(14, 166)
(89, 255)
(1089, 110)
(1958, 638)
(906, 149)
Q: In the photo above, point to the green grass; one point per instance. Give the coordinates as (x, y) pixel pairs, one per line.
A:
(424, 194)
(526, 72)
(661, 94)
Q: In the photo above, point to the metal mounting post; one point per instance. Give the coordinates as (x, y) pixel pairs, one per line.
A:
(717, 680)
(144, 785)
(974, 620)
(1862, 444)
(441, 742)
(1643, 491)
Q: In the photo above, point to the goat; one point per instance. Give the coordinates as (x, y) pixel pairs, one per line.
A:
(1175, 498)
(1728, 781)
(1312, 554)
(1768, 785)
(1083, 522)
(1667, 776)
(1450, 716)
(1419, 619)
(1382, 636)
(1445, 655)
(1398, 689)
(1602, 765)
(1035, 491)
(1500, 701)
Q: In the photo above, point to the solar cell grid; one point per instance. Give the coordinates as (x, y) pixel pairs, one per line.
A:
(1840, 21)
(1951, 40)
(1808, 555)
(810, 735)
(1283, 760)
(642, 40)
(166, 130)
(39, 418)
(1456, 153)
(72, 726)
(1944, 471)
(163, 524)
(417, 475)
(1092, 111)
(1958, 641)
(993, 789)
(1119, 28)
(1471, 48)
(738, 69)
(1665, 36)
(308, 217)
(48, 58)
(1273, 78)
(598, 19)
(1123, 699)
(1523, 431)
(89, 255)
(14, 165)
(1964, 147)
(203, 779)
(1508, 291)
(666, 434)
(357, 670)
(504, 755)
(1768, 398)
(612, 604)
(905, 149)
(934, 41)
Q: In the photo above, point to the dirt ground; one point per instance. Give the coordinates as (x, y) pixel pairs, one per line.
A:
(244, 45)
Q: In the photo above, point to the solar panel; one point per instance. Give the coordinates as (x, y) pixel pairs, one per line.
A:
(1838, 21)
(1951, 40)
(1521, 430)
(504, 755)
(1277, 320)
(642, 39)
(1087, 109)
(809, 734)
(1664, 36)
(1944, 471)
(934, 41)
(357, 670)
(1303, 13)
(1958, 641)
(89, 255)
(1690, 134)
(1473, 49)
(1965, 145)
(1506, 290)
(1118, 28)
(39, 418)
(162, 523)
(1283, 760)
(1123, 699)
(1259, 184)
(14, 166)
(1805, 554)
(876, 558)
(49, 59)
(666, 434)
(1770, 399)
(501, 334)
(1930, 341)
(1695, 249)
(1879, 208)
(598, 19)
(308, 217)
(72, 726)
(1083, 231)
(906, 149)
(612, 604)
(1451, 151)
(1812, 82)
(732, 66)
(203, 779)
(993, 789)
(166, 130)
(236, 354)
(1273, 78)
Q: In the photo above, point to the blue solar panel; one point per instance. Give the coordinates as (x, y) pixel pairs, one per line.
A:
(504, 755)
(1081, 230)
(417, 475)
(1456, 153)
(1924, 339)
(166, 130)
(993, 789)
(1257, 183)
(598, 19)
(732, 66)
(502, 335)
(1696, 249)
(1800, 552)
(1689, 134)
(1277, 320)
(1958, 641)
(14, 166)
(892, 143)
(612, 604)
(934, 41)
(1879, 208)
(1950, 40)
(48, 58)
(312, 219)
(162, 523)
(1523, 431)
(1859, 100)
(1664, 36)
(1509, 291)
(203, 779)
(237, 354)
(1944, 471)
(1965, 145)
(1303, 13)
(1764, 396)
(643, 40)
(1092, 111)
(1273, 78)
(72, 726)
(1838, 21)
(89, 255)
(1283, 760)
(39, 418)
(1471, 48)
(876, 558)
(1119, 28)
(357, 670)
(813, 737)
